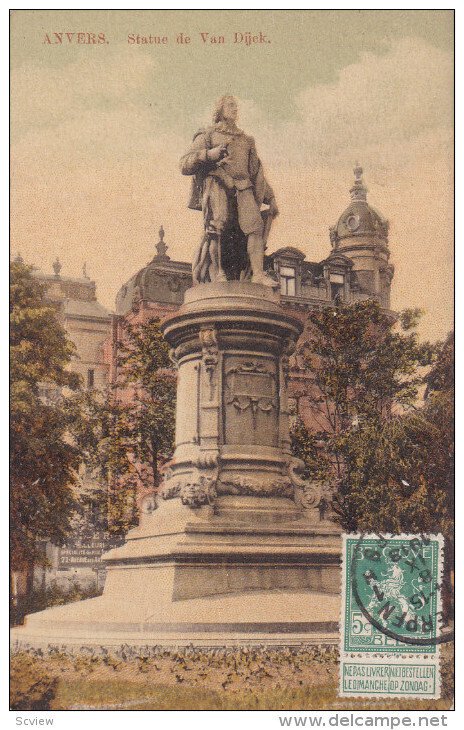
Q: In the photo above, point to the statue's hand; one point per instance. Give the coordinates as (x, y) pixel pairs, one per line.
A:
(273, 209)
(215, 154)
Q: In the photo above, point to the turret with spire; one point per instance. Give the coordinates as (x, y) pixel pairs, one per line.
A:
(161, 281)
(361, 234)
(359, 190)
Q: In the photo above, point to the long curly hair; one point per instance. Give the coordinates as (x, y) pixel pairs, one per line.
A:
(217, 115)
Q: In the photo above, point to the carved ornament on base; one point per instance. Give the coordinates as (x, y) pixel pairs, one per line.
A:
(210, 355)
(311, 495)
(194, 489)
(262, 486)
(251, 385)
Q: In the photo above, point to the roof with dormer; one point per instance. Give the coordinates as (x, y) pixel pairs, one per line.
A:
(74, 297)
(161, 280)
(338, 259)
(288, 252)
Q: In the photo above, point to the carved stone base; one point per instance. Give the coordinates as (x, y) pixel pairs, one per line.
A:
(240, 544)
(248, 570)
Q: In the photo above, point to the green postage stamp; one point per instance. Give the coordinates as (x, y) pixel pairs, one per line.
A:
(391, 615)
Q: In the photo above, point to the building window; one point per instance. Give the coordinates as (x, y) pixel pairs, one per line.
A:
(90, 378)
(287, 280)
(337, 284)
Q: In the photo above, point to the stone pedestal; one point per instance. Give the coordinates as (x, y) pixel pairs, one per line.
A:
(236, 551)
(231, 344)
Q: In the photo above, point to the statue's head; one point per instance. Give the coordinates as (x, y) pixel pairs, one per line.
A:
(226, 109)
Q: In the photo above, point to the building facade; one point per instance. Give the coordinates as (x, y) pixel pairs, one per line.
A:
(356, 268)
(88, 325)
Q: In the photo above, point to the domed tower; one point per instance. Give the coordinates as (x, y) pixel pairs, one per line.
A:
(361, 234)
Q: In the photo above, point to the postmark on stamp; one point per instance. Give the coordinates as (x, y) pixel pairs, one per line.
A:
(391, 617)
(391, 598)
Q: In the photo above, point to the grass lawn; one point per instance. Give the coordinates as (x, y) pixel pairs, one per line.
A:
(196, 679)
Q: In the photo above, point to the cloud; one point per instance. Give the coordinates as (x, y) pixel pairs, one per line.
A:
(43, 96)
(380, 102)
(389, 98)
(96, 172)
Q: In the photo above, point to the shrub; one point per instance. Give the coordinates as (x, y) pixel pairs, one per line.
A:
(31, 686)
(56, 595)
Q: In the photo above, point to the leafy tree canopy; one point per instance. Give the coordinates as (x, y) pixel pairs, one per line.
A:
(43, 461)
(367, 373)
(143, 359)
(127, 433)
(362, 365)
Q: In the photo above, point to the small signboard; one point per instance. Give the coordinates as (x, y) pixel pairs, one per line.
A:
(85, 552)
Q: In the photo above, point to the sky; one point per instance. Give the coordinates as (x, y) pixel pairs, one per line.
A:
(97, 132)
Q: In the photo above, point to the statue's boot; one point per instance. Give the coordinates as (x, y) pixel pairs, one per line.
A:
(256, 256)
(266, 280)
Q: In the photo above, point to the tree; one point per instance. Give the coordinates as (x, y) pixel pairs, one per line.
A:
(382, 407)
(409, 486)
(305, 445)
(440, 379)
(365, 374)
(439, 411)
(104, 434)
(401, 467)
(127, 433)
(43, 460)
(145, 368)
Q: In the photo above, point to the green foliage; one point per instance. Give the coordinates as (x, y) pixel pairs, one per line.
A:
(144, 364)
(368, 372)
(104, 433)
(55, 595)
(362, 366)
(409, 318)
(40, 350)
(440, 379)
(439, 411)
(128, 432)
(43, 461)
(304, 445)
(31, 686)
(391, 482)
(221, 678)
(400, 468)
(143, 359)
(143, 354)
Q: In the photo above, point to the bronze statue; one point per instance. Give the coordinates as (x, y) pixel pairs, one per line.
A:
(230, 188)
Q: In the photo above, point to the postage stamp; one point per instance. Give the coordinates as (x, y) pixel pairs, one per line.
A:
(391, 594)
(391, 616)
